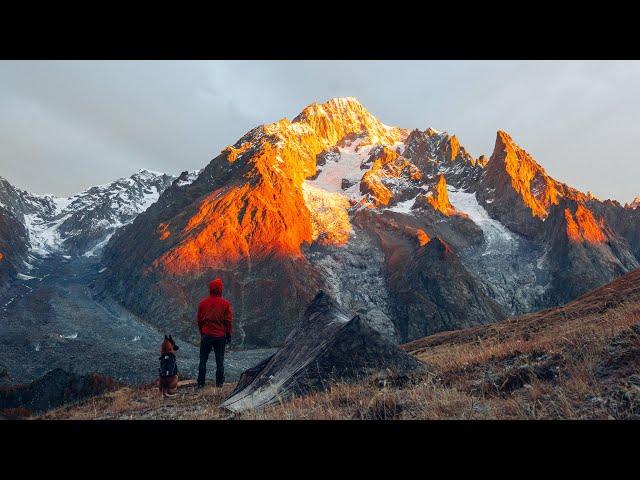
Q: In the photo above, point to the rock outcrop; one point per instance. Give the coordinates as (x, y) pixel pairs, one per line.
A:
(623, 220)
(328, 346)
(634, 204)
(584, 252)
(389, 174)
(439, 198)
(436, 292)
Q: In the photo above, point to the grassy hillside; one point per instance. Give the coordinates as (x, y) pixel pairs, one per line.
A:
(579, 361)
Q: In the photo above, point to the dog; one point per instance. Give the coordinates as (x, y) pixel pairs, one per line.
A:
(168, 381)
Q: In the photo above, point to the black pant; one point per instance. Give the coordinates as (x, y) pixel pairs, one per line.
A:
(208, 342)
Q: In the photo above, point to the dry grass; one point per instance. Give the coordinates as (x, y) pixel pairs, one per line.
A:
(145, 403)
(557, 372)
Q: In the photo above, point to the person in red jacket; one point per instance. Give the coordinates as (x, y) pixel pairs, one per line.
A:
(214, 321)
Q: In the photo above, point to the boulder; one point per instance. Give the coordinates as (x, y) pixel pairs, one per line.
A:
(327, 346)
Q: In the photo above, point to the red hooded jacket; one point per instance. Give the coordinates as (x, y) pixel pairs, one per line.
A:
(214, 312)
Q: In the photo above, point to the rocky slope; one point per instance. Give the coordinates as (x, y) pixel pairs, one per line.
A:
(15, 205)
(13, 252)
(624, 220)
(56, 388)
(404, 227)
(582, 247)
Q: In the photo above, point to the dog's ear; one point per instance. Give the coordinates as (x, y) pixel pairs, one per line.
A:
(170, 338)
(166, 338)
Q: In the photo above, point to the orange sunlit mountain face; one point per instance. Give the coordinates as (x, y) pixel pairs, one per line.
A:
(268, 214)
(537, 190)
(237, 222)
(272, 210)
(440, 199)
(583, 226)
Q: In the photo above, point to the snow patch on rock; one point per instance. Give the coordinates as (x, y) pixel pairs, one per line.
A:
(498, 238)
(189, 178)
(403, 207)
(346, 165)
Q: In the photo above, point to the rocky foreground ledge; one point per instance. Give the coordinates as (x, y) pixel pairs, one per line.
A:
(328, 346)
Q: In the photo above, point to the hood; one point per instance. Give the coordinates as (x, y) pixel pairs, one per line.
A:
(215, 287)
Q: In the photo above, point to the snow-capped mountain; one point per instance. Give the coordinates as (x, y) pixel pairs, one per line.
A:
(405, 228)
(84, 223)
(20, 202)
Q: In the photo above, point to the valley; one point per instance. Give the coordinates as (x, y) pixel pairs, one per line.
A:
(51, 314)
(54, 320)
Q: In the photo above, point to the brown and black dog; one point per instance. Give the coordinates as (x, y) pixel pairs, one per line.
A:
(168, 382)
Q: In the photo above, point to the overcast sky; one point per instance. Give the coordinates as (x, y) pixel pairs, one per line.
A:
(65, 126)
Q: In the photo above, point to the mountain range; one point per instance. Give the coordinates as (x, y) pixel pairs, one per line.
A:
(35, 227)
(403, 227)
(81, 224)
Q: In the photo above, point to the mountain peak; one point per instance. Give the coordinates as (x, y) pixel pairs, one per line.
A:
(337, 117)
(337, 103)
(432, 131)
(143, 175)
(439, 198)
(634, 204)
(333, 107)
(504, 138)
(144, 171)
(527, 178)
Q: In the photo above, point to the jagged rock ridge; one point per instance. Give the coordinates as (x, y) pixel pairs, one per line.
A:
(82, 224)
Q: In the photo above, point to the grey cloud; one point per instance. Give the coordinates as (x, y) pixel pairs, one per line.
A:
(67, 125)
